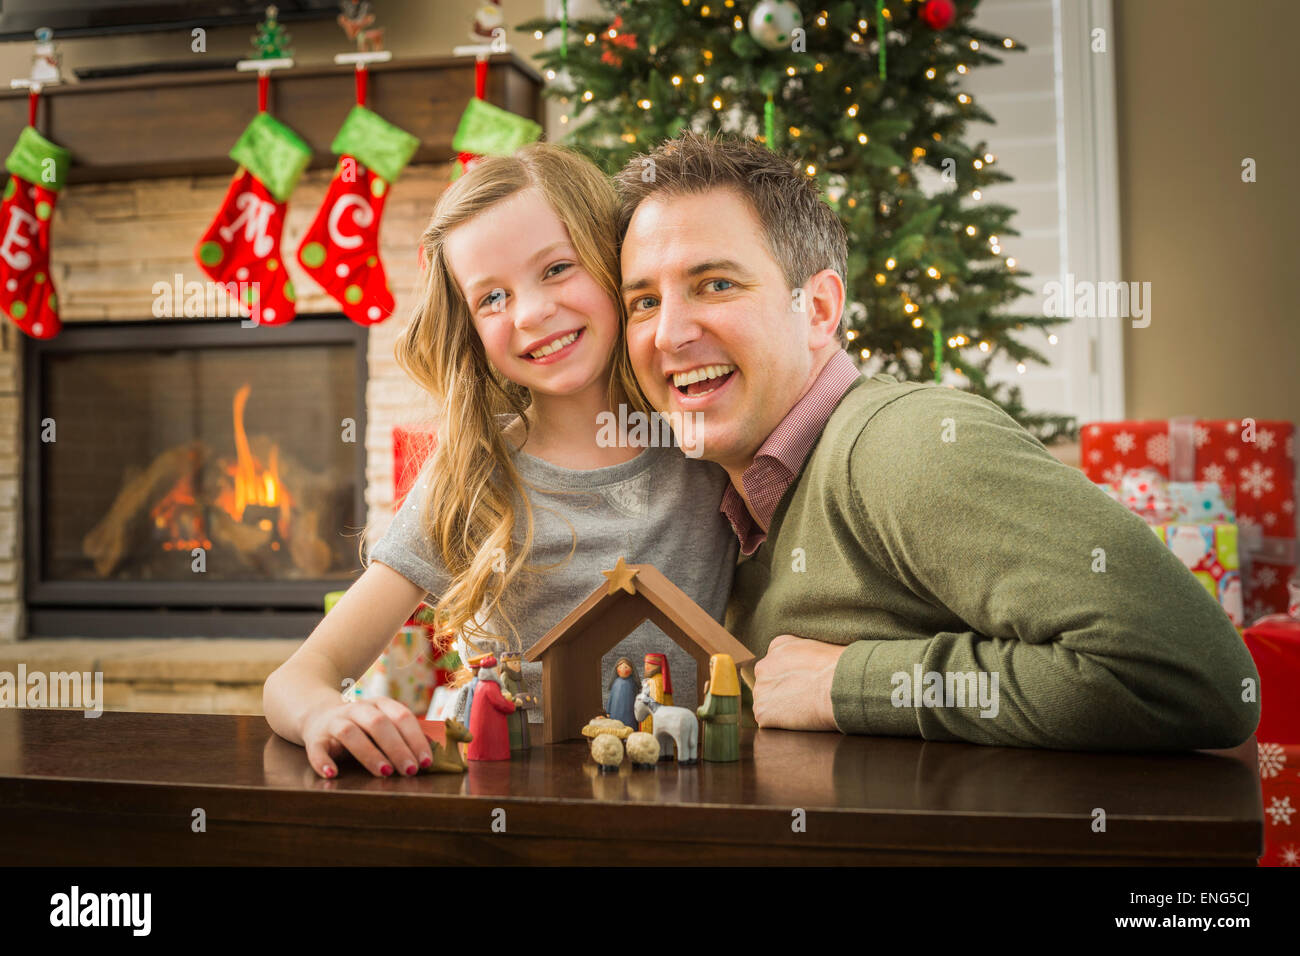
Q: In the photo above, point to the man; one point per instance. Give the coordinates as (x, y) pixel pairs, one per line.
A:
(913, 563)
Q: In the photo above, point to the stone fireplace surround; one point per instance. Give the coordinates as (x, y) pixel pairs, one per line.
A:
(111, 243)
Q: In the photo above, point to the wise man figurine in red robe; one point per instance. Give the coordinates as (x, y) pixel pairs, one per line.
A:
(489, 729)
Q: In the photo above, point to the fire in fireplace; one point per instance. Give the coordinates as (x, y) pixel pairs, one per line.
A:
(192, 493)
(193, 472)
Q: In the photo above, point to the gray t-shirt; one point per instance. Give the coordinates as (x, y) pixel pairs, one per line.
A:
(659, 508)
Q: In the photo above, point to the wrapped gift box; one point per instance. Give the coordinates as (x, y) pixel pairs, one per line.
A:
(1279, 772)
(411, 447)
(1253, 461)
(1147, 493)
(410, 668)
(1274, 644)
(1210, 552)
(404, 671)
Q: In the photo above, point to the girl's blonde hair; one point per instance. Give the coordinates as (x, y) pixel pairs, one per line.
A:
(469, 488)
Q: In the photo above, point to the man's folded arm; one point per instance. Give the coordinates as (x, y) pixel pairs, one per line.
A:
(1098, 636)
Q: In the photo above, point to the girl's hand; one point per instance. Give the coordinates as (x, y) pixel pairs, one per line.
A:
(381, 733)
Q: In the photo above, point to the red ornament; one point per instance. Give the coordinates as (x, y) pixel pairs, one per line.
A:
(938, 14)
(611, 42)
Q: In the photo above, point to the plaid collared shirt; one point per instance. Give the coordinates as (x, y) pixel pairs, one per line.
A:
(780, 457)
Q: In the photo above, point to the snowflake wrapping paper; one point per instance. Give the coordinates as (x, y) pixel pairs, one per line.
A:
(1253, 461)
(1279, 771)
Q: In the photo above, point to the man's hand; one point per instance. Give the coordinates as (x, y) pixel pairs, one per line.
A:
(792, 684)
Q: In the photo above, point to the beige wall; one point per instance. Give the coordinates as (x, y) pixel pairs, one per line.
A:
(1200, 85)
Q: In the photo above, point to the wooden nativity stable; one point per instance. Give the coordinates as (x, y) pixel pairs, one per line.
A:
(571, 651)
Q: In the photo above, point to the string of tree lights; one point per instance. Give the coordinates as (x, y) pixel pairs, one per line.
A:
(930, 275)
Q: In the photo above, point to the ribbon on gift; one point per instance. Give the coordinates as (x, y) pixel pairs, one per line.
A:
(1182, 448)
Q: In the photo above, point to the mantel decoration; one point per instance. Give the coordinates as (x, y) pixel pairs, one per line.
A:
(241, 248)
(484, 129)
(341, 248)
(38, 170)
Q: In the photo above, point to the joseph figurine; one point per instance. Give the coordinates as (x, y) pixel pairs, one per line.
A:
(512, 681)
(720, 712)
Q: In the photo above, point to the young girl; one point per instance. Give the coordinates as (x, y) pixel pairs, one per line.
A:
(518, 336)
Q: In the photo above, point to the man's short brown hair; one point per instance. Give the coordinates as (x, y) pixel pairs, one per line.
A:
(802, 233)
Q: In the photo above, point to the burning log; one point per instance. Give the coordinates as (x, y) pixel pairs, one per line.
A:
(109, 541)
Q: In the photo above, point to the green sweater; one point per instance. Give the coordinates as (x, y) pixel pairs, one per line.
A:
(980, 555)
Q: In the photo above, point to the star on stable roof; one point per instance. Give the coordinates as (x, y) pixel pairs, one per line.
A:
(620, 576)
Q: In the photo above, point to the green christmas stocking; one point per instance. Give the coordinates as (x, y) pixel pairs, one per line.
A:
(487, 130)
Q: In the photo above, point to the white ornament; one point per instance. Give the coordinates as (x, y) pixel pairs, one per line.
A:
(341, 270)
(772, 22)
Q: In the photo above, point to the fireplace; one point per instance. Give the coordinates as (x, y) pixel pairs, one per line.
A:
(192, 478)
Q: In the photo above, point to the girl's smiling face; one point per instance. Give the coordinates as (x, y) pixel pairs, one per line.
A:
(527, 292)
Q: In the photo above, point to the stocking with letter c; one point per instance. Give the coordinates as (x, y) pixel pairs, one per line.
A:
(340, 249)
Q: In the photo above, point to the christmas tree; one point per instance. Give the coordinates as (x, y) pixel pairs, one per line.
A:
(881, 130)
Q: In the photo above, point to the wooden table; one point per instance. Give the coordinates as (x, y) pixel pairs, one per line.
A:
(123, 789)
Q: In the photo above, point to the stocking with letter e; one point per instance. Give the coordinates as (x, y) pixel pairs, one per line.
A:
(37, 171)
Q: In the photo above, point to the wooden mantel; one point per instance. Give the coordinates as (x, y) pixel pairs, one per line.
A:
(177, 124)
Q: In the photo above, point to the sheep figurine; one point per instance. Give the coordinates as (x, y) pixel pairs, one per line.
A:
(607, 751)
(642, 750)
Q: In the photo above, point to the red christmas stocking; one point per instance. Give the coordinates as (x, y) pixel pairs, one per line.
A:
(341, 248)
(38, 169)
(241, 249)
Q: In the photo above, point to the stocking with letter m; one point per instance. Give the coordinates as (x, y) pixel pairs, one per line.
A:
(241, 248)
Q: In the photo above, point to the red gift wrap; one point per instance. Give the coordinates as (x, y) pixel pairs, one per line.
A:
(1274, 644)
(1279, 771)
(411, 448)
(1255, 459)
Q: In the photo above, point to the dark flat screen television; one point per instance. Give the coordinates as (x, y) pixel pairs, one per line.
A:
(19, 19)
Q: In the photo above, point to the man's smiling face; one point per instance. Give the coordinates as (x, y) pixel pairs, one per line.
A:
(705, 297)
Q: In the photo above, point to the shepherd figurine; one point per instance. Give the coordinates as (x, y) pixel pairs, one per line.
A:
(720, 712)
